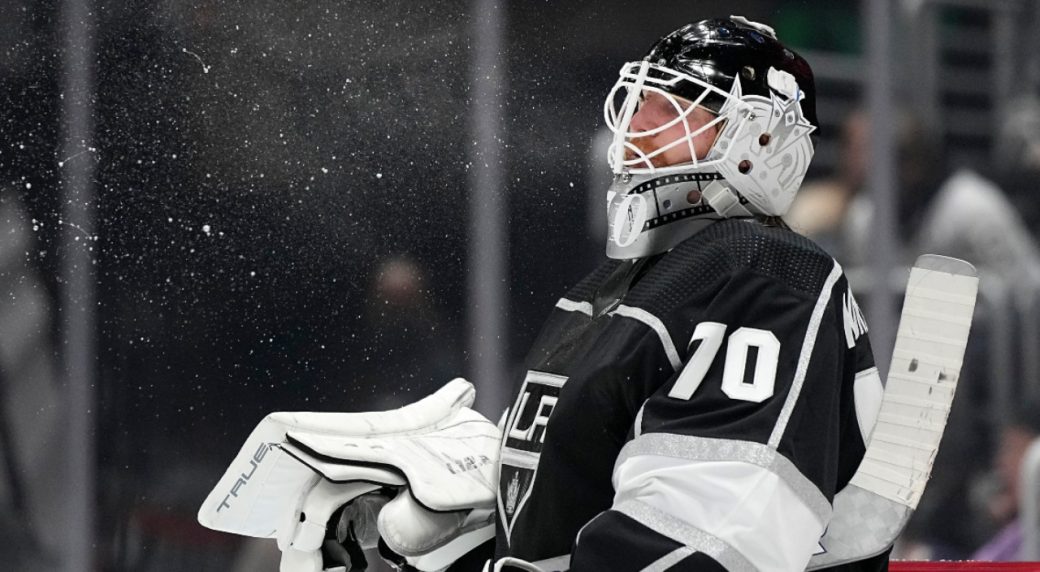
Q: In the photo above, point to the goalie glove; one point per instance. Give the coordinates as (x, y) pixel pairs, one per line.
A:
(352, 530)
(426, 540)
(408, 535)
(296, 477)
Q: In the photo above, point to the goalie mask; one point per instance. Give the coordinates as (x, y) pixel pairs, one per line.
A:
(734, 106)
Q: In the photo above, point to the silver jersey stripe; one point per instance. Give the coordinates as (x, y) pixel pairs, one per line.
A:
(803, 359)
(707, 449)
(682, 532)
(668, 560)
(572, 306)
(656, 325)
(518, 458)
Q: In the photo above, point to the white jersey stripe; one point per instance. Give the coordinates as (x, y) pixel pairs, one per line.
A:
(866, 393)
(656, 325)
(572, 306)
(637, 427)
(808, 344)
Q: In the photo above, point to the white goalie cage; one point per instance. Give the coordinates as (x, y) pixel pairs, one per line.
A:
(638, 78)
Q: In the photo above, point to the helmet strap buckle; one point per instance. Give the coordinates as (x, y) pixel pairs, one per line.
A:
(724, 200)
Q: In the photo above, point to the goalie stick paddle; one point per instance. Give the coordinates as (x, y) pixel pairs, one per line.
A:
(872, 510)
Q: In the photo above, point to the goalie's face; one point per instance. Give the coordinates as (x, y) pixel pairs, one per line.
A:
(659, 115)
(657, 131)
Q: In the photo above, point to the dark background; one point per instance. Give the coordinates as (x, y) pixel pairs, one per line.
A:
(257, 166)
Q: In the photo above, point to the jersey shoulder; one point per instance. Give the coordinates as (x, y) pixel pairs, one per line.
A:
(730, 255)
(586, 289)
(733, 247)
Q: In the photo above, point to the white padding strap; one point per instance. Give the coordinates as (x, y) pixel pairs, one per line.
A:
(724, 200)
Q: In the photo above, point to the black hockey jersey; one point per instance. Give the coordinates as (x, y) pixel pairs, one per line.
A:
(693, 411)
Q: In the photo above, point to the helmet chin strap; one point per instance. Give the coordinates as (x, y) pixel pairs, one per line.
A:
(725, 200)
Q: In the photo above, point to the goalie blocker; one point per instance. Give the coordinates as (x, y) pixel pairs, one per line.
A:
(432, 463)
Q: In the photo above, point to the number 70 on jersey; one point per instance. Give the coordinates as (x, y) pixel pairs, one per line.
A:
(740, 343)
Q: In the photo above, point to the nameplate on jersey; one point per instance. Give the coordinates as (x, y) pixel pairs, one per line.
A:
(855, 324)
(522, 442)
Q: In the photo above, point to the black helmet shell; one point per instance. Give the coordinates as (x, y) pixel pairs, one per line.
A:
(716, 51)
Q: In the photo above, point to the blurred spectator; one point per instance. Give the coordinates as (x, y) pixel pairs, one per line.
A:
(1017, 165)
(1015, 440)
(972, 218)
(407, 349)
(836, 213)
(963, 215)
(821, 206)
(31, 406)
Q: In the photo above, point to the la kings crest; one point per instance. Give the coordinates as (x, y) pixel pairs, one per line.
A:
(522, 442)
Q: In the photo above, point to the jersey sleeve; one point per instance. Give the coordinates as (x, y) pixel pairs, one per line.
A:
(733, 462)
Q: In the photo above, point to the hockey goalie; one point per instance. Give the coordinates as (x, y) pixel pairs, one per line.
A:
(705, 400)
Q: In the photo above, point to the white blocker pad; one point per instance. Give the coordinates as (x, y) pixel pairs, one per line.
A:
(872, 510)
(266, 487)
(263, 491)
(446, 452)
